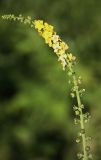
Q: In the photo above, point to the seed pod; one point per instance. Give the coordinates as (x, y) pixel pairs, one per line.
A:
(72, 95)
(77, 112)
(87, 148)
(78, 140)
(76, 121)
(82, 131)
(80, 155)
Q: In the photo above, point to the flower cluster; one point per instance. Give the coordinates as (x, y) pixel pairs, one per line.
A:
(50, 36)
(54, 41)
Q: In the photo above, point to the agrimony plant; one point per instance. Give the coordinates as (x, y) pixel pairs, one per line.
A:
(68, 62)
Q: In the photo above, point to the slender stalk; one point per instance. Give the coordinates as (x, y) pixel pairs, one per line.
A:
(81, 119)
(82, 127)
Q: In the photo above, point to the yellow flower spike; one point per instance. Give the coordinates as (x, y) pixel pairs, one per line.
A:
(54, 41)
(71, 57)
(51, 38)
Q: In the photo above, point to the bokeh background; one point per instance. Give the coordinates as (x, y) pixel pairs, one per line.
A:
(36, 115)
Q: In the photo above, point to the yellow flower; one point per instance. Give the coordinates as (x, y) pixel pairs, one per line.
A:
(55, 38)
(39, 24)
(48, 27)
(47, 36)
(63, 48)
(56, 47)
(48, 41)
(71, 57)
(62, 59)
(64, 45)
(61, 52)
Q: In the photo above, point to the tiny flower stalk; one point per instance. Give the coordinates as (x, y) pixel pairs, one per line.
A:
(68, 62)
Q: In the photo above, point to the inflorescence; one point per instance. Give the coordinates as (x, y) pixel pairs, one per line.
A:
(68, 60)
(51, 38)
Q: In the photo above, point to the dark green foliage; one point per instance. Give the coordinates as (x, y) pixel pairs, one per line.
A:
(36, 112)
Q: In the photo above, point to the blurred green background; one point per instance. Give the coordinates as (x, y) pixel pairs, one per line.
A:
(36, 115)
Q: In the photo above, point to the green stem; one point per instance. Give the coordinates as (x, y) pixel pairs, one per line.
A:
(81, 112)
(81, 118)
